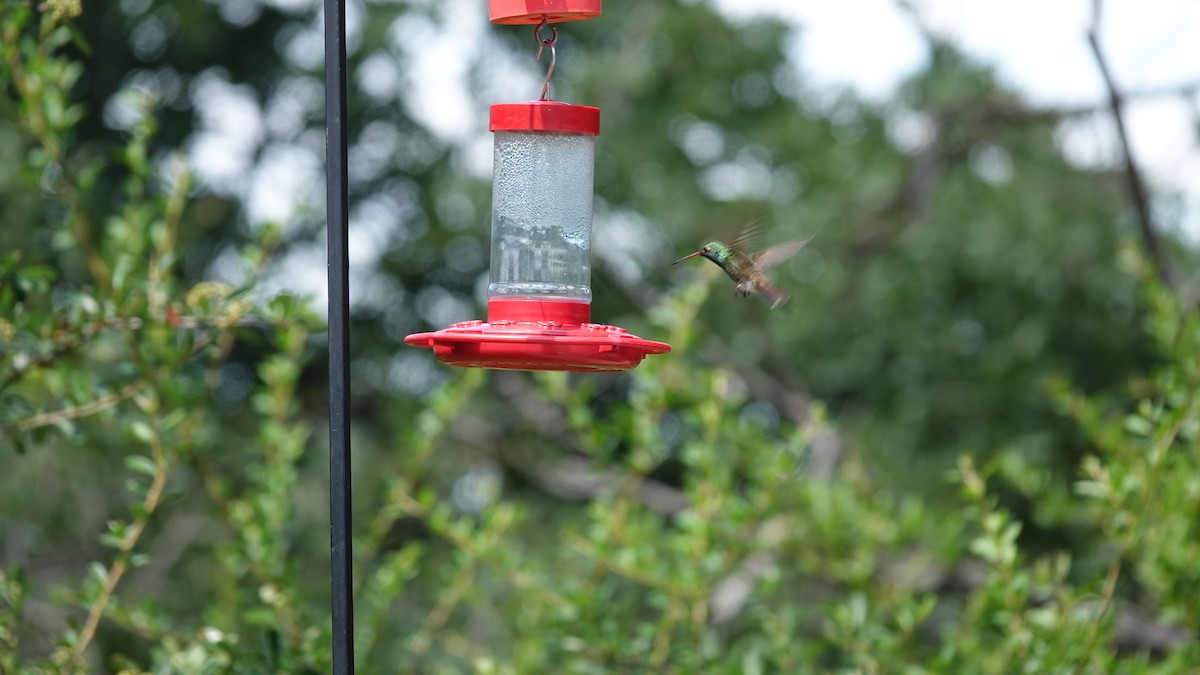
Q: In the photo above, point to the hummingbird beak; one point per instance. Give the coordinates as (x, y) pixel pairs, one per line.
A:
(693, 255)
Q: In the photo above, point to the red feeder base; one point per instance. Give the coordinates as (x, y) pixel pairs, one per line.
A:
(538, 335)
(532, 11)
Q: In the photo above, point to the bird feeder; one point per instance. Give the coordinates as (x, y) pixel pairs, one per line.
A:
(539, 295)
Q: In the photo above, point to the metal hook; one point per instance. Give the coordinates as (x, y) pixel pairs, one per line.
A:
(542, 44)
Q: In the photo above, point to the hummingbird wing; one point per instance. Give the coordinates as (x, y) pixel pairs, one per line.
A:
(780, 252)
(743, 239)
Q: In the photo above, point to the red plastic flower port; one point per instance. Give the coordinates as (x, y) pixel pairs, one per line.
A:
(538, 335)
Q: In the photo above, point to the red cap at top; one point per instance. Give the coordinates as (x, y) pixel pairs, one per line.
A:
(532, 11)
(545, 116)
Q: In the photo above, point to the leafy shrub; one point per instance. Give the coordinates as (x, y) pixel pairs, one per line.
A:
(683, 517)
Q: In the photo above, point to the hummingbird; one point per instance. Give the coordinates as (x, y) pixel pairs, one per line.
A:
(747, 269)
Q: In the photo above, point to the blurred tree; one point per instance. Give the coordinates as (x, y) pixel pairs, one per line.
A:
(704, 512)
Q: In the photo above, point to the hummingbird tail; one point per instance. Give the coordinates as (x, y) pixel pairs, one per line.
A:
(773, 295)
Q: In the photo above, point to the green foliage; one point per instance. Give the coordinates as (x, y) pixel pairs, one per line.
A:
(769, 562)
(165, 487)
(757, 547)
(1138, 492)
(123, 367)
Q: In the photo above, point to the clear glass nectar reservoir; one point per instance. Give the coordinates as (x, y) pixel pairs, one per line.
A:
(542, 216)
(542, 201)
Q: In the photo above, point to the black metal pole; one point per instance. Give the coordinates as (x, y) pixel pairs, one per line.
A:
(337, 225)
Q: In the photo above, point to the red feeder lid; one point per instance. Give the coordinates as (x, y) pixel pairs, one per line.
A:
(532, 11)
(545, 116)
(538, 335)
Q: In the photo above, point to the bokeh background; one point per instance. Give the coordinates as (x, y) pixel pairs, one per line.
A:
(797, 488)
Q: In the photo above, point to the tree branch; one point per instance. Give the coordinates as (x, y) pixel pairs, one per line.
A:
(75, 412)
(124, 558)
(1133, 176)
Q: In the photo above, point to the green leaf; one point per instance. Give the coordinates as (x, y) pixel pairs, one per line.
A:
(1138, 426)
(99, 572)
(141, 464)
(141, 431)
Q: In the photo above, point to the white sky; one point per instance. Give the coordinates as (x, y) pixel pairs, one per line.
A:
(1039, 48)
